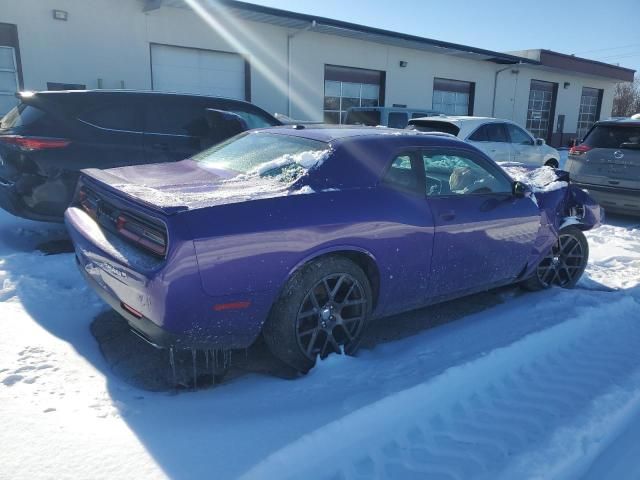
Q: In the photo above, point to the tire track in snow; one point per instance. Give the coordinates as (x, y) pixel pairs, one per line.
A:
(473, 420)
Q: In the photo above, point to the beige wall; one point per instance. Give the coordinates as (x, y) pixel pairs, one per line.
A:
(109, 39)
(513, 94)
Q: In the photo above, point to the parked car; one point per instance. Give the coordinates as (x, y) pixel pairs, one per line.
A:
(306, 234)
(50, 136)
(607, 163)
(502, 140)
(392, 117)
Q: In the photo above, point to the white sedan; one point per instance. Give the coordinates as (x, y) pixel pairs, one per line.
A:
(502, 140)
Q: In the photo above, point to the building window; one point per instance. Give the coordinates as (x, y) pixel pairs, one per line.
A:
(590, 104)
(453, 97)
(541, 108)
(346, 87)
(8, 79)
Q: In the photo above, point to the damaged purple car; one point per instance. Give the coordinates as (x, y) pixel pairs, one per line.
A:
(304, 235)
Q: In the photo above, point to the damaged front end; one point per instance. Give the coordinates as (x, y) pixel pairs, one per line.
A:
(561, 205)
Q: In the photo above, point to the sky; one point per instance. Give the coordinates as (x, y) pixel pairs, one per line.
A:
(601, 30)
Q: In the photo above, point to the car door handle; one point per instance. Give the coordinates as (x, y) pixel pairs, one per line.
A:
(448, 215)
(160, 146)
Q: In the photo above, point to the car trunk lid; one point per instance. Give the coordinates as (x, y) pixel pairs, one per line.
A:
(170, 188)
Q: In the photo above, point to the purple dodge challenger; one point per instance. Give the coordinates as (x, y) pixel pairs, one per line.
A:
(306, 234)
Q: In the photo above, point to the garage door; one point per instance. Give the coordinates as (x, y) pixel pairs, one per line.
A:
(188, 70)
(8, 79)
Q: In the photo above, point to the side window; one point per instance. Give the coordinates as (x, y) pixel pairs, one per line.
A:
(114, 117)
(480, 135)
(518, 135)
(496, 133)
(254, 120)
(403, 175)
(453, 174)
(397, 120)
(176, 118)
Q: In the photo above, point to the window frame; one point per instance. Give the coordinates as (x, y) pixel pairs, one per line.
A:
(599, 93)
(416, 167)
(492, 168)
(362, 77)
(471, 93)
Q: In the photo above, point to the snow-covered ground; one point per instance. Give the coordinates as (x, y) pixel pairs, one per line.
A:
(543, 385)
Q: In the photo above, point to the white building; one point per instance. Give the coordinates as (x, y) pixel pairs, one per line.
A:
(304, 66)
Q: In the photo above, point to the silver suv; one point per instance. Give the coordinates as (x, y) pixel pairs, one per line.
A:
(607, 164)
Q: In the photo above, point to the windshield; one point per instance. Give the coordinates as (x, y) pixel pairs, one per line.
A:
(614, 136)
(264, 153)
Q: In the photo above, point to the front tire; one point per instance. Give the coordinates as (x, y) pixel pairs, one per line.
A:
(564, 264)
(323, 309)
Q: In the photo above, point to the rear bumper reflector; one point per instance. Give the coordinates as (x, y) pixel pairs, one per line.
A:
(131, 310)
(220, 307)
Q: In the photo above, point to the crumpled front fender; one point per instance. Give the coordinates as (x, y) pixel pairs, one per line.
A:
(558, 209)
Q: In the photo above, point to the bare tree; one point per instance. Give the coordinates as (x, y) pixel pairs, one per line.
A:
(626, 99)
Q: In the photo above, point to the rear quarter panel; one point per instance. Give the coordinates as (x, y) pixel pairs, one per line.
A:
(254, 247)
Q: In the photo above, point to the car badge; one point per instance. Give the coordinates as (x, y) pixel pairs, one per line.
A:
(618, 155)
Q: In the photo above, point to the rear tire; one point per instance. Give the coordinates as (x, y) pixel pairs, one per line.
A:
(553, 163)
(564, 264)
(324, 308)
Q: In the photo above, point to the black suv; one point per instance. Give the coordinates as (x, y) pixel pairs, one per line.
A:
(50, 136)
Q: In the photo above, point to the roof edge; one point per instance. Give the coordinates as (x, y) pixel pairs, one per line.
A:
(251, 7)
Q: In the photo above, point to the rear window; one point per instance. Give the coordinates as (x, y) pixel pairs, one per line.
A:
(614, 136)
(435, 126)
(265, 154)
(369, 118)
(397, 120)
(21, 116)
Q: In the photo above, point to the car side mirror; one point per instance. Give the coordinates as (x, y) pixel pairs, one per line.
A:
(223, 125)
(519, 189)
(540, 142)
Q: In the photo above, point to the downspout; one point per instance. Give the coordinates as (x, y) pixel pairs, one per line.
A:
(311, 26)
(495, 86)
(495, 89)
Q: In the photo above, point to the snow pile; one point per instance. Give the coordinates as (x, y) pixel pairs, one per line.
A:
(306, 160)
(543, 179)
(305, 190)
(552, 395)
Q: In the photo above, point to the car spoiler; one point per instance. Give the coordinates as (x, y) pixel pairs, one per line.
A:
(116, 186)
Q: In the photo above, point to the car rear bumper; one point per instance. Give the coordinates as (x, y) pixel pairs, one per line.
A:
(162, 300)
(139, 324)
(612, 199)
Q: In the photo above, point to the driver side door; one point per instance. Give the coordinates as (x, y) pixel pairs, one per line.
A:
(483, 233)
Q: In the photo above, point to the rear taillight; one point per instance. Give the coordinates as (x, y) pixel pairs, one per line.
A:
(31, 144)
(88, 201)
(147, 235)
(141, 233)
(579, 150)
